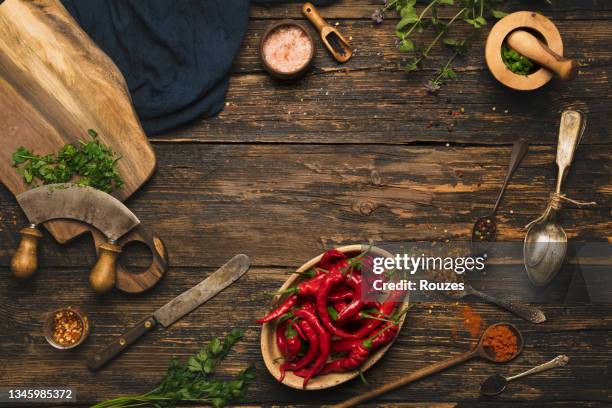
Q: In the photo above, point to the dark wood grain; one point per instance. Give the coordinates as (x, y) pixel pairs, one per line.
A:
(351, 153)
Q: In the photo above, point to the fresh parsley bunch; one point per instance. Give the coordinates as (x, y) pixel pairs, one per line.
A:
(192, 382)
(89, 163)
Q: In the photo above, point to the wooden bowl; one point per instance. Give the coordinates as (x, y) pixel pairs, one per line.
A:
(282, 74)
(272, 355)
(530, 21)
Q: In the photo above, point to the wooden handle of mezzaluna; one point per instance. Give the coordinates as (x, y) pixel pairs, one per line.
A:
(313, 16)
(416, 375)
(103, 275)
(528, 45)
(25, 260)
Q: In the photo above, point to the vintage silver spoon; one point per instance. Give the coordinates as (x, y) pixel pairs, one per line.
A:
(485, 228)
(546, 242)
(497, 383)
(527, 312)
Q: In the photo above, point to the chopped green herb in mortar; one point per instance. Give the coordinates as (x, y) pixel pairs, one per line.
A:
(88, 163)
(515, 62)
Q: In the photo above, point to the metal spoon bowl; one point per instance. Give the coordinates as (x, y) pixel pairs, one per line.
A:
(497, 383)
(545, 244)
(489, 232)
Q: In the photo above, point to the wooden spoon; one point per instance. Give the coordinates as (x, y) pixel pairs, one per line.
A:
(531, 47)
(478, 351)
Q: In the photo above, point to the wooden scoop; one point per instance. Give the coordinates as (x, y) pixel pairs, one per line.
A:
(337, 45)
(531, 47)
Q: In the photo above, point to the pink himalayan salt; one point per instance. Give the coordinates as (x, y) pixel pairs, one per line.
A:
(287, 49)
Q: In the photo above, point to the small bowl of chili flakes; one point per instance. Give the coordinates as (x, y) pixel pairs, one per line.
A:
(66, 328)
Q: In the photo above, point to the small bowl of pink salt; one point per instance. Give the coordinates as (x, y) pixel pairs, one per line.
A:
(286, 50)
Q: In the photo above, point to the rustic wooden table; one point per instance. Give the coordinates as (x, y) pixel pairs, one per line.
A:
(351, 153)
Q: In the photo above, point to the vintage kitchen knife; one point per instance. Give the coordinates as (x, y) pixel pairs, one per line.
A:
(71, 201)
(175, 309)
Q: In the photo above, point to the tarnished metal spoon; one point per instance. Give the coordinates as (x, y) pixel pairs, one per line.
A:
(497, 383)
(485, 228)
(527, 312)
(546, 242)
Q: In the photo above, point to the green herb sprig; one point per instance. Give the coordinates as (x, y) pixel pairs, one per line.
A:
(472, 12)
(88, 163)
(191, 382)
(515, 62)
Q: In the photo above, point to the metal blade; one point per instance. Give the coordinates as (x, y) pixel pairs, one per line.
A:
(81, 203)
(203, 291)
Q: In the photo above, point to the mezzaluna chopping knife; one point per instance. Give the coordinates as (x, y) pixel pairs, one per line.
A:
(175, 309)
(93, 207)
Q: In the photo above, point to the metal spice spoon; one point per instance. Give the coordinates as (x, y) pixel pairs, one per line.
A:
(546, 242)
(478, 351)
(496, 383)
(485, 228)
(527, 312)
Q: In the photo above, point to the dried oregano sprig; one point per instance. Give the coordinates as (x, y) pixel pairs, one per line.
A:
(192, 382)
(412, 21)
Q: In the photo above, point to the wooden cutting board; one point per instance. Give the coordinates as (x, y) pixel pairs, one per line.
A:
(55, 84)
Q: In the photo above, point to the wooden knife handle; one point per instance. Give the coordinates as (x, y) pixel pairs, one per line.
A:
(25, 260)
(528, 45)
(103, 275)
(122, 342)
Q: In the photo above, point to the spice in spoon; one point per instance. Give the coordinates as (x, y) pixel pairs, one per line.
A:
(484, 229)
(502, 341)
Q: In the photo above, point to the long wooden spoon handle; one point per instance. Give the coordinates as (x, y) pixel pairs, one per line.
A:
(416, 375)
(528, 45)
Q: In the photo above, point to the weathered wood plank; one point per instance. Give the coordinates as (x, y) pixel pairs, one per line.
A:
(373, 107)
(362, 9)
(433, 331)
(376, 50)
(277, 202)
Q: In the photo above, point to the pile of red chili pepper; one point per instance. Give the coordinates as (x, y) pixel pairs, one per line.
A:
(325, 326)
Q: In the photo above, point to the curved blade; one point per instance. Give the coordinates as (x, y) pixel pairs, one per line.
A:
(203, 291)
(81, 203)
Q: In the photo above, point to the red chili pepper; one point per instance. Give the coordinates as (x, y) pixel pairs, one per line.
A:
(339, 306)
(281, 339)
(342, 345)
(294, 342)
(330, 257)
(354, 281)
(311, 352)
(384, 312)
(343, 294)
(288, 340)
(361, 351)
(308, 287)
(333, 278)
(280, 310)
(324, 342)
